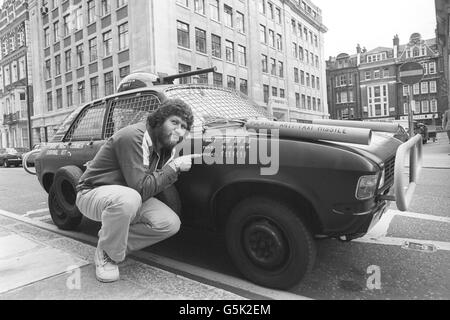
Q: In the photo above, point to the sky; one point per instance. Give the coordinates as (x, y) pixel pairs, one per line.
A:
(374, 23)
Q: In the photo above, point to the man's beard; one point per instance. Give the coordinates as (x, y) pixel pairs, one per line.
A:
(168, 140)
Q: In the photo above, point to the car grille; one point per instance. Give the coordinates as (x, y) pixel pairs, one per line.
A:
(389, 168)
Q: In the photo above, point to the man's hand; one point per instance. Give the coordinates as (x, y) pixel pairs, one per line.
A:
(184, 163)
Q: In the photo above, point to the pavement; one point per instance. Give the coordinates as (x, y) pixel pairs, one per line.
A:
(37, 264)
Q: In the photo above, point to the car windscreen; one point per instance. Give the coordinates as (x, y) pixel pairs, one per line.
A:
(209, 102)
(62, 129)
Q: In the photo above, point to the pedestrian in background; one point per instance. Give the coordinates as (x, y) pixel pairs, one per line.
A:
(446, 123)
(119, 186)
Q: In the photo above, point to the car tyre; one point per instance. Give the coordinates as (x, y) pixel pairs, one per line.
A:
(269, 243)
(66, 214)
(59, 215)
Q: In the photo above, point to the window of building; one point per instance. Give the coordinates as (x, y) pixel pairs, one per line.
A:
(270, 9)
(313, 81)
(80, 55)
(262, 6)
(56, 31)
(300, 53)
(121, 3)
(91, 11)
(124, 71)
(274, 92)
(59, 101)
(308, 82)
(48, 70)
(433, 105)
(282, 93)
(424, 87)
(376, 74)
(228, 16)
(183, 34)
(416, 88)
(318, 83)
(266, 93)
(367, 75)
(242, 56)
(302, 77)
(200, 40)
(240, 22)
(109, 83)
(229, 50)
(216, 46)
(94, 88)
(243, 86)
(278, 15)
(66, 21)
(69, 95)
(231, 82)
(262, 34)
(57, 65)
(182, 68)
(378, 99)
(417, 107)
(425, 106)
(22, 68)
(405, 108)
(46, 39)
(294, 50)
(405, 91)
(271, 38)
(279, 42)
(433, 88)
(273, 67)
(81, 92)
(296, 76)
(199, 6)
(264, 63)
(106, 7)
(217, 79)
(49, 101)
(432, 67)
(107, 44)
(280, 69)
(92, 49)
(297, 100)
(202, 78)
(214, 9)
(123, 37)
(78, 18)
(303, 105)
(68, 60)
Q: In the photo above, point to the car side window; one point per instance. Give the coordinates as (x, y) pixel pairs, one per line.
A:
(89, 124)
(128, 110)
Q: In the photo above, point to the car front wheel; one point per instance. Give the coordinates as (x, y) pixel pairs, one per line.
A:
(269, 243)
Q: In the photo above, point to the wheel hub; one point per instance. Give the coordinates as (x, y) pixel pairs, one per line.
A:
(264, 244)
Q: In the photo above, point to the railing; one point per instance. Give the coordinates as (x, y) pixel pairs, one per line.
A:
(404, 191)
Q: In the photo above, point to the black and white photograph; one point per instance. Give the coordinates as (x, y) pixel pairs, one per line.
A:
(224, 155)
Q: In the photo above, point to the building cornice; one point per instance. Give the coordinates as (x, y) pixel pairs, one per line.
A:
(299, 10)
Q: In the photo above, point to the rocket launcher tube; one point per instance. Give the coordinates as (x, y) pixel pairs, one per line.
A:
(314, 132)
(375, 126)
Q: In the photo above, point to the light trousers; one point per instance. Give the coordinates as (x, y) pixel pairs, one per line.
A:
(127, 223)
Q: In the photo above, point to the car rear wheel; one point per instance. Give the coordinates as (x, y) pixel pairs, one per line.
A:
(269, 243)
(63, 196)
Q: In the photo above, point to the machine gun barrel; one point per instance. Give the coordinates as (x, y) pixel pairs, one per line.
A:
(170, 79)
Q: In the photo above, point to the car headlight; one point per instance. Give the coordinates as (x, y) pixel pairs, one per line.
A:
(367, 186)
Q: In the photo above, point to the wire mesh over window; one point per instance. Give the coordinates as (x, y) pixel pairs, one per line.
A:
(128, 110)
(89, 124)
(208, 102)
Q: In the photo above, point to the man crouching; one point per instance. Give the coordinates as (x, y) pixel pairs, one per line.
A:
(121, 182)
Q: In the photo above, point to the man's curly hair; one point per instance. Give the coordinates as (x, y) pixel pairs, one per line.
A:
(171, 107)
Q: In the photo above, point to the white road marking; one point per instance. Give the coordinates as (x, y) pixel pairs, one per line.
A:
(392, 241)
(381, 227)
(36, 211)
(422, 216)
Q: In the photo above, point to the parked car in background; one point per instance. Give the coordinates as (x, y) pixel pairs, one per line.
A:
(11, 157)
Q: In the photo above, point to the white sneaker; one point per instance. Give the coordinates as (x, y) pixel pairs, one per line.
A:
(106, 270)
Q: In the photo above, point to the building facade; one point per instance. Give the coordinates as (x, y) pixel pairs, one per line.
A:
(270, 50)
(15, 78)
(382, 95)
(443, 37)
(343, 87)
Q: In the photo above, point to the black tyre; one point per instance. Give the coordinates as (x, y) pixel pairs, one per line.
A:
(59, 215)
(269, 243)
(171, 198)
(64, 185)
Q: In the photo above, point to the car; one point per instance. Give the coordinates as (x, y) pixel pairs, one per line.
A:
(269, 188)
(11, 157)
